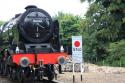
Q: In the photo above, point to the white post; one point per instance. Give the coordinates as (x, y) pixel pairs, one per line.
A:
(82, 69)
(73, 72)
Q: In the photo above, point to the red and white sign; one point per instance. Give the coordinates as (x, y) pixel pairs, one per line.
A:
(77, 49)
(76, 43)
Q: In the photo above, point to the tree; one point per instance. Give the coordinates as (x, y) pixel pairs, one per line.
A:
(69, 26)
(105, 24)
(1, 22)
(114, 16)
(98, 32)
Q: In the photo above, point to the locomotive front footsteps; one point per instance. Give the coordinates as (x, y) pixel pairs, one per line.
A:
(30, 46)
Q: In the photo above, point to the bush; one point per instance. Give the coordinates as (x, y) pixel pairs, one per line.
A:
(116, 54)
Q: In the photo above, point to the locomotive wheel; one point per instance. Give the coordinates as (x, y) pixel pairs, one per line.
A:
(9, 72)
(13, 74)
(39, 76)
(21, 76)
(5, 72)
(1, 68)
(50, 72)
(50, 75)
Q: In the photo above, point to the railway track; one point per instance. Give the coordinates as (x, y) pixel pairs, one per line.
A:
(4, 79)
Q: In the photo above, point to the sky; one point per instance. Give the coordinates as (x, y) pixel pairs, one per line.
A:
(8, 8)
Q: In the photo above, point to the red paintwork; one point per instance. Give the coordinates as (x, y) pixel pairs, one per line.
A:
(16, 58)
(48, 58)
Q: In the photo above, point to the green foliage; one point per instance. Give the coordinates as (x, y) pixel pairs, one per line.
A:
(97, 34)
(105, 24)
(116, 53)
(69, 26)
(101, 23)
(87, 0)
(1, 22)
(112, 13)
(7, 35)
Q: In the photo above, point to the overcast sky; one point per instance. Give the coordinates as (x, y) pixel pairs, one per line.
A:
(8, 8)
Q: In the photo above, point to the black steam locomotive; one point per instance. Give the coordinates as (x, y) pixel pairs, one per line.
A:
(30, 46)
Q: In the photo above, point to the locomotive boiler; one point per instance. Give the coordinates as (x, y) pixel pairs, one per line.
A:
(30, 46)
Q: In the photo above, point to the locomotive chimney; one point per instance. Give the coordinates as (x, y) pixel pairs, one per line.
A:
(30, 6)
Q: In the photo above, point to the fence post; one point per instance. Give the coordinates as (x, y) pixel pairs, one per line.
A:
(120, 64)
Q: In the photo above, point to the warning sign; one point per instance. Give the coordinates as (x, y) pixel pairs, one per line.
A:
(76, 43)
(77, 49)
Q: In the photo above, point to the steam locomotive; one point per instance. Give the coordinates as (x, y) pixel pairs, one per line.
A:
(30, 46)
